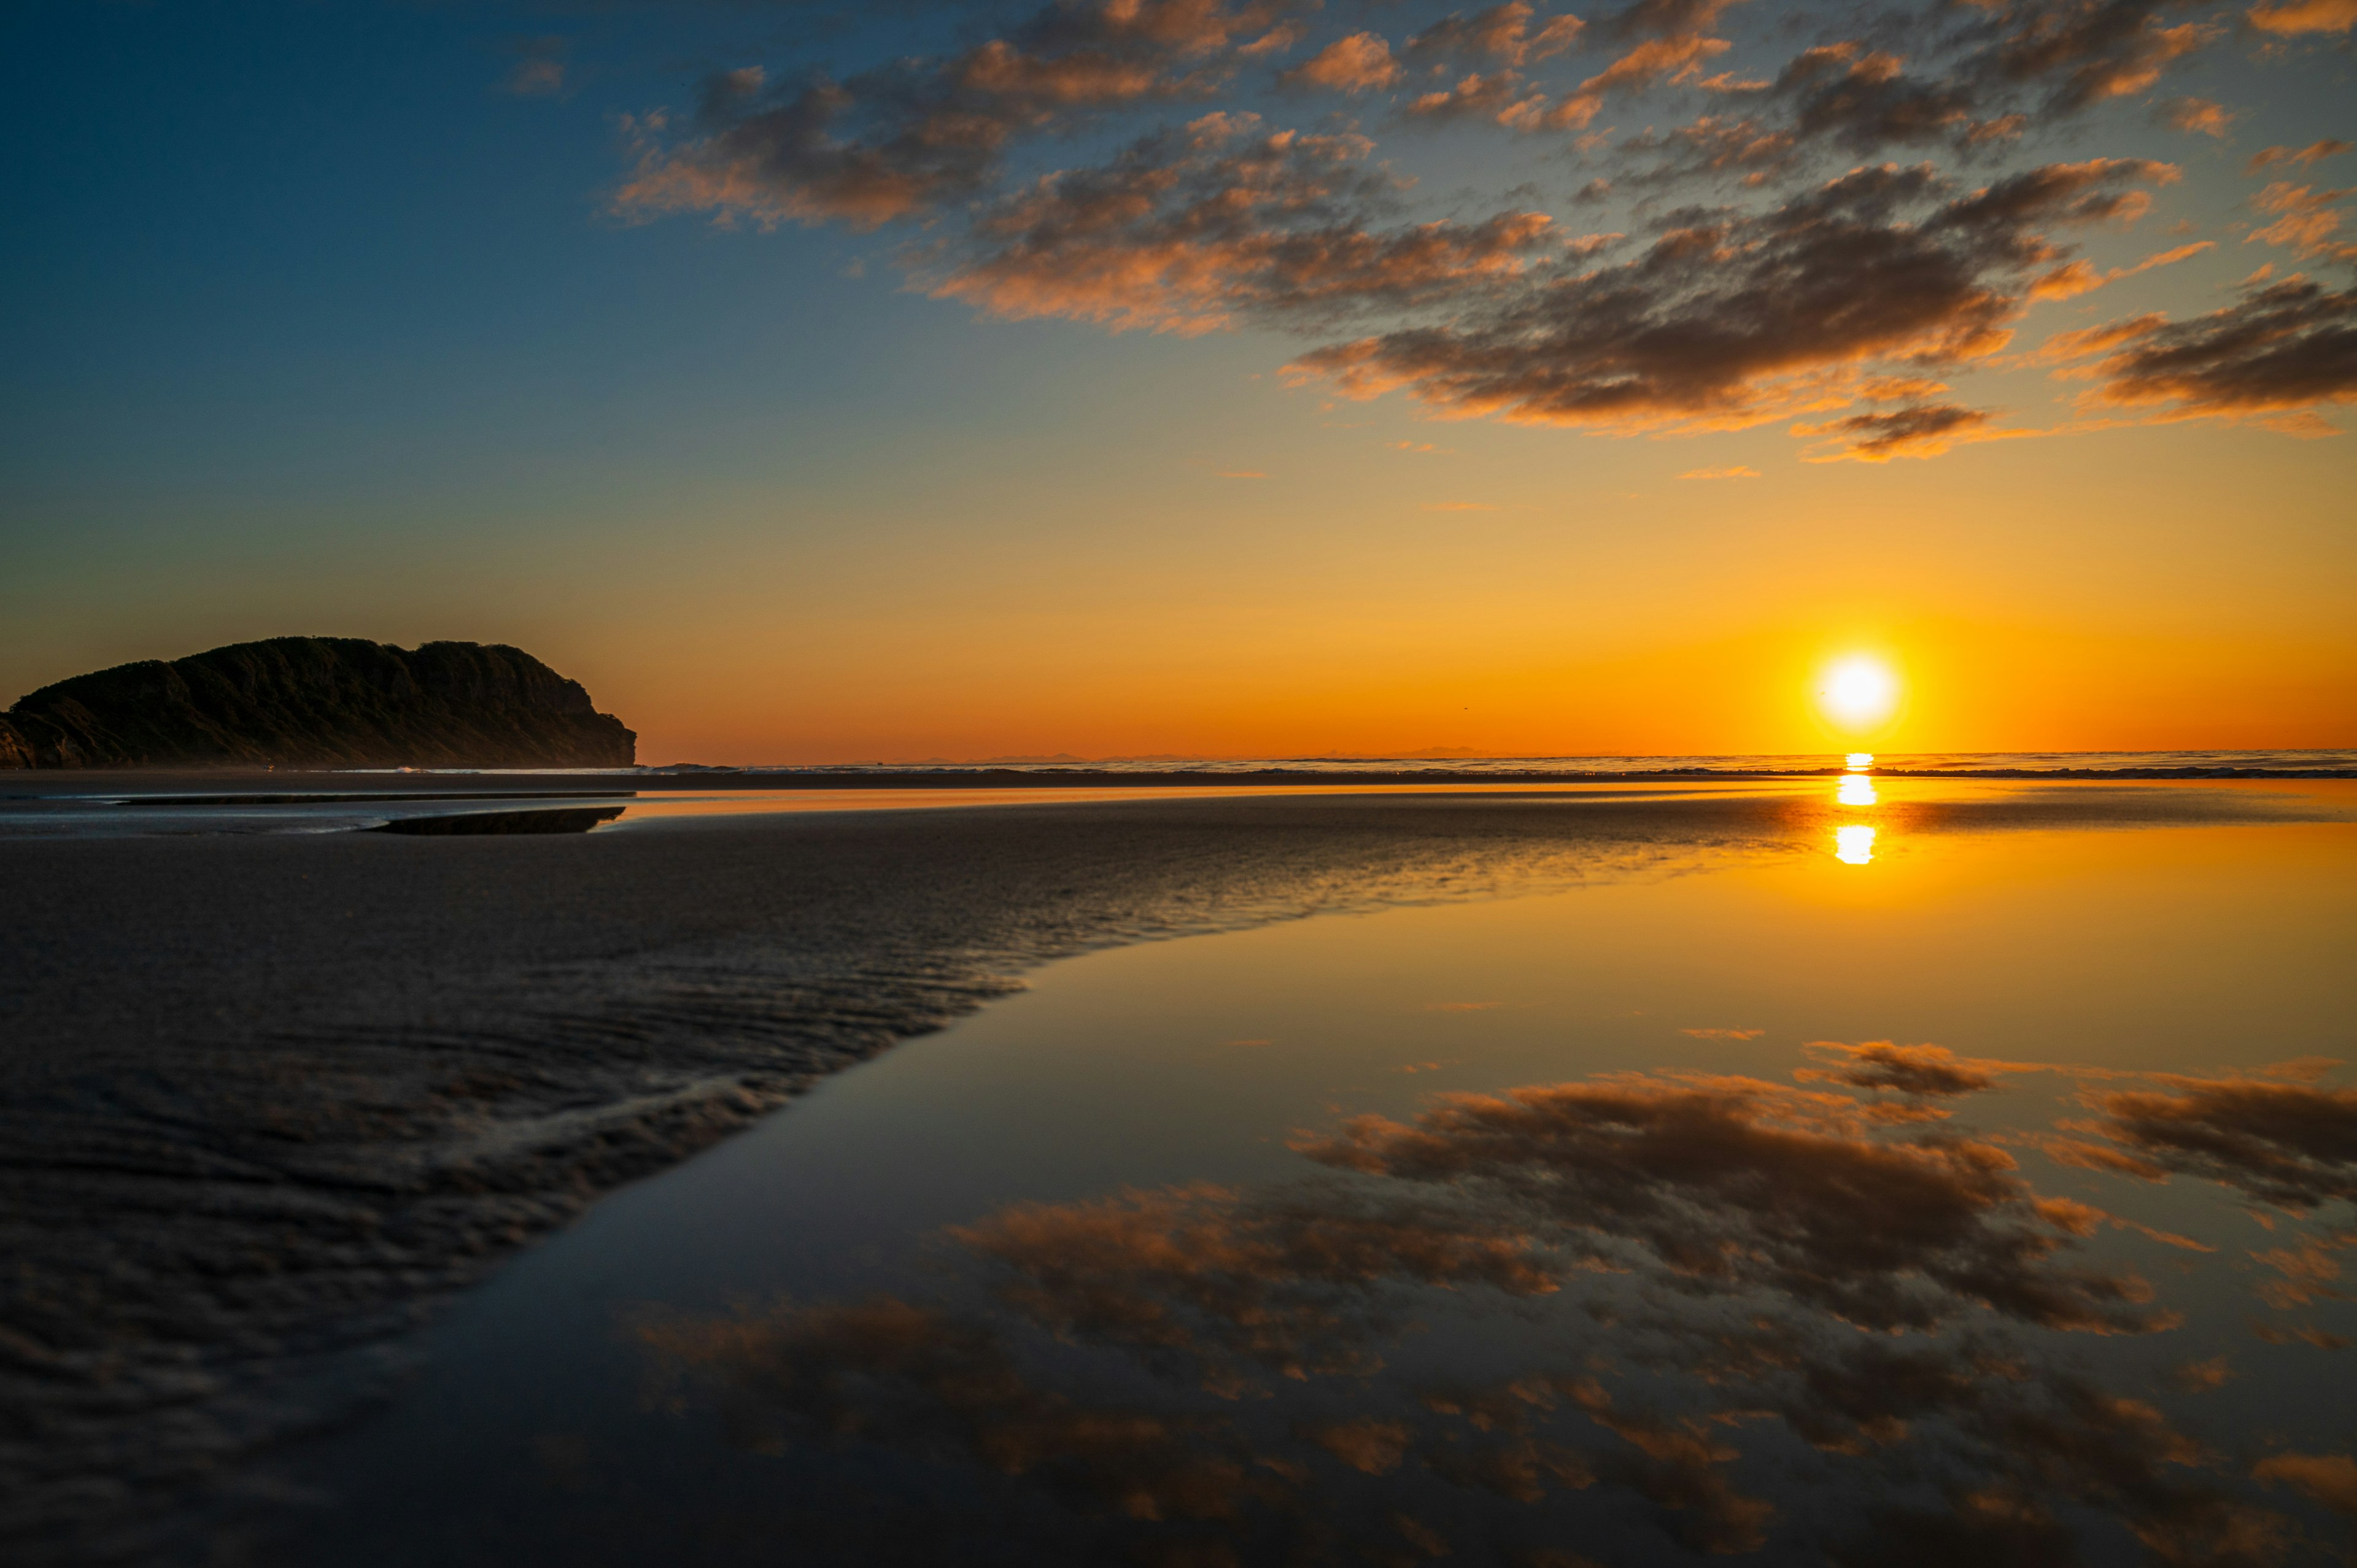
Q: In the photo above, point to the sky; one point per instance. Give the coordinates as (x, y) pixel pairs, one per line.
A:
(1207, 377)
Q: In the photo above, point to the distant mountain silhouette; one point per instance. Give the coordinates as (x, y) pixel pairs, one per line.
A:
(318, 702)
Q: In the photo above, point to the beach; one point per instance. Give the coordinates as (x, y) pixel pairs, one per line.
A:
(273, 1098)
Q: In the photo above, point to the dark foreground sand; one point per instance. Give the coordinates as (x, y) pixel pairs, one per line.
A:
(264, 1100)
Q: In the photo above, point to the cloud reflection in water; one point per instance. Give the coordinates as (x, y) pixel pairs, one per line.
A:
(1575, 1317)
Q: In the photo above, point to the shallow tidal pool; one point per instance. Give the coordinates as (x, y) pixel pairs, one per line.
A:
(1963, 1196)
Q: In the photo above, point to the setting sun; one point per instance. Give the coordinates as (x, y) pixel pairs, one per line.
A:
(1858, 693)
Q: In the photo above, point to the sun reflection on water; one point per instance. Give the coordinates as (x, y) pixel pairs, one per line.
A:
(1857, 790)
(1853, 843)
(1859, 761)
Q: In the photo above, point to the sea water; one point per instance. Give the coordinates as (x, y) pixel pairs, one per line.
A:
(1979, 1194)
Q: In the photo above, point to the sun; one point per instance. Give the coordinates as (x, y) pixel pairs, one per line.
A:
(1858, 693)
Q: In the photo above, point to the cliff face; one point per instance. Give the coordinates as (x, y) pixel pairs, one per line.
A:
(318, 702)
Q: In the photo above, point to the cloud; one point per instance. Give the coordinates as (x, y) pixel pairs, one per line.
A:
(1676, 58)
(2305, 17)
(1924, 429)
(2315, 152)
(2201, 1377)
(1722, 1034)
(2309, 1270)
(1738, 471)
(928, 1380)
(1189, 232)
(1663, 18)
(2087, 51)
(539, 70)
(895, 142)
(1998, 73)
(1220, 1284)
(1736, 1183)
(1921, 1071)
(1500, 96)
(2286, 346)
(2329, 1479)
(1359, 63)
(1729, 320)
(2074, 278)
(1503, 95)
(2195, 114)
(2304, 220)
(1709, 146)
(1502, 33)
(2290, 1144)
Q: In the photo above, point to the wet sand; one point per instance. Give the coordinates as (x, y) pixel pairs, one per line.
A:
(268, 1099)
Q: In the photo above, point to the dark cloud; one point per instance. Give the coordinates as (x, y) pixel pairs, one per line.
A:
(2291, 1144)
(1924, 1070)
(894, 142)
(2081, 52)
(1189, 232)
(1712, 145)
(932, 1383)
(1992, 74)
(2285, 348)
(1221, 1283)
(1737, 1184)
(1921, 430)
(1729, 320)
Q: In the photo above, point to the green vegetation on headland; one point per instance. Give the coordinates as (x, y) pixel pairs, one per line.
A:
(318, 702)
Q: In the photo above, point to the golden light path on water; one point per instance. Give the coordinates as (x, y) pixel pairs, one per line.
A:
(1853, 841)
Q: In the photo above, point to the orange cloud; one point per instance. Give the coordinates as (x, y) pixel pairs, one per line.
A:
(2305, 17)
(2327, 1479)
(2196, 114)
(2075, 278)
(2315, 152)
(1360, 63)
(2304, 221)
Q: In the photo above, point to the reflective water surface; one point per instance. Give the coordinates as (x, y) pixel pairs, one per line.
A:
(1923, 1197)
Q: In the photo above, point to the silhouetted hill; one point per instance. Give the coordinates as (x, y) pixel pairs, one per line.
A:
(318, 702)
